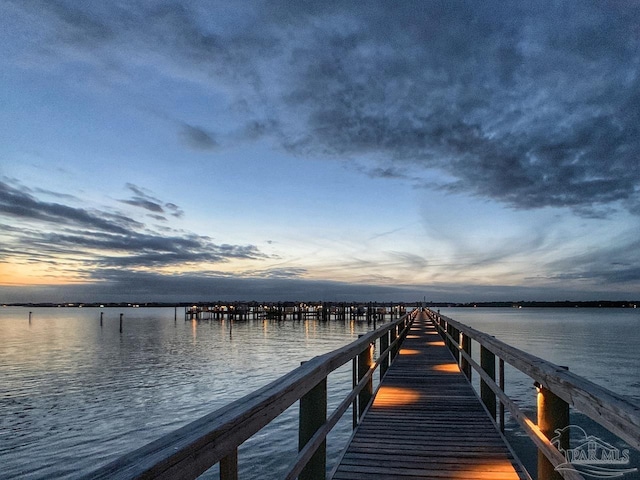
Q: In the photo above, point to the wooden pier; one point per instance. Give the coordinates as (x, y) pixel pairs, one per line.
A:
(426, 421)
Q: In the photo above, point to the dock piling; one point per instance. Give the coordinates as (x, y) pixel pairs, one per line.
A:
(313, 415)
(553, 414)
(488, 364)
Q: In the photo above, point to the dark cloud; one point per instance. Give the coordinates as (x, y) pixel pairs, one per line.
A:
(147, 201)
(530, 104)
(101, 238)
(614, 264)
(174, 210)
(197, 137)
(15, 203)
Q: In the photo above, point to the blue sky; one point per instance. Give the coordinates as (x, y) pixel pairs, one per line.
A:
(458, 151)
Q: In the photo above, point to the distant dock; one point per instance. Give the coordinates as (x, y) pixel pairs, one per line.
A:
(369, 312)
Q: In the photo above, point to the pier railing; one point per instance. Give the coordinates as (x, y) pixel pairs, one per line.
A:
(557, 389)
(191, 450)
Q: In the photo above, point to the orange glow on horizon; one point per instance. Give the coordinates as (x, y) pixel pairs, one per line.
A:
(18, 275)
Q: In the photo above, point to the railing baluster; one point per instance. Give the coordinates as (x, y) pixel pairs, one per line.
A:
(466, 347)
(384, 344)
(365, 360)
(501, 368)
(229, 466)
(553, 414)
(394, 334)
(313, 414)
(488, 364)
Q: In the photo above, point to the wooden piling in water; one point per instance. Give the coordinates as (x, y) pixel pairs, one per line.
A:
(365, 360)
(101, 316)
(553, 414)
(313, 415)
(464, 364)
(121, 315)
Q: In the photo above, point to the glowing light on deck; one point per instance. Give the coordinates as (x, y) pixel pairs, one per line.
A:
(446, 367)
(394, 396)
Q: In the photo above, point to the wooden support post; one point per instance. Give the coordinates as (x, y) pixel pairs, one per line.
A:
(121, 315)
(354, 370)
(384, 364)
(447, 329)
(394, 349)
(455, 333)
(488, 364)
(30, 318)
(101, 315)
(229, 466)
(553, 413)
(365, 360)
(466, 347)
(501, 368)
(313, 414)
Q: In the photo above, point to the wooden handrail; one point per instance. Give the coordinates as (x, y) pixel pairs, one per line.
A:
(189, 451)
(614, 412)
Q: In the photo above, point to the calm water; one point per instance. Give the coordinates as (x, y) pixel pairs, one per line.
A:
(75, 395)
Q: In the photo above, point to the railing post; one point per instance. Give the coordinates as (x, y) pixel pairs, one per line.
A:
(365, 360)
(229, 466)
(488, 364)
(466, 347)
(384, 344)
(447, 329)
(501, 370)
(313, 414)
(553, 413)
(455, 333)
(395, 348)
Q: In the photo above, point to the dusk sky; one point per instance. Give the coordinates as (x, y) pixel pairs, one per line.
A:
(320, 150)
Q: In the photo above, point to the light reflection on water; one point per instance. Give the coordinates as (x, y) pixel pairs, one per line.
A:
(75, 395)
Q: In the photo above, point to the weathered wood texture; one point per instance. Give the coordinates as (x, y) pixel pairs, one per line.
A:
(619, 414)
(427, 422)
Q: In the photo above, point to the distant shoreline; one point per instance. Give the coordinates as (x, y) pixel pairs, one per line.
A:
(518, 304)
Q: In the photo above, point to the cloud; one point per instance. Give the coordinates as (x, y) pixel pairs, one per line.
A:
(197, 137)
(100, 239)
(16, 203)
(616, 263)
(531, 105)
(145, 200)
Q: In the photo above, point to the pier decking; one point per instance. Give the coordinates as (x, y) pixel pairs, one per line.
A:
(427, 422)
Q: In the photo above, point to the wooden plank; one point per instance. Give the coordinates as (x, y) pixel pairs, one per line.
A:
(427, 422)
